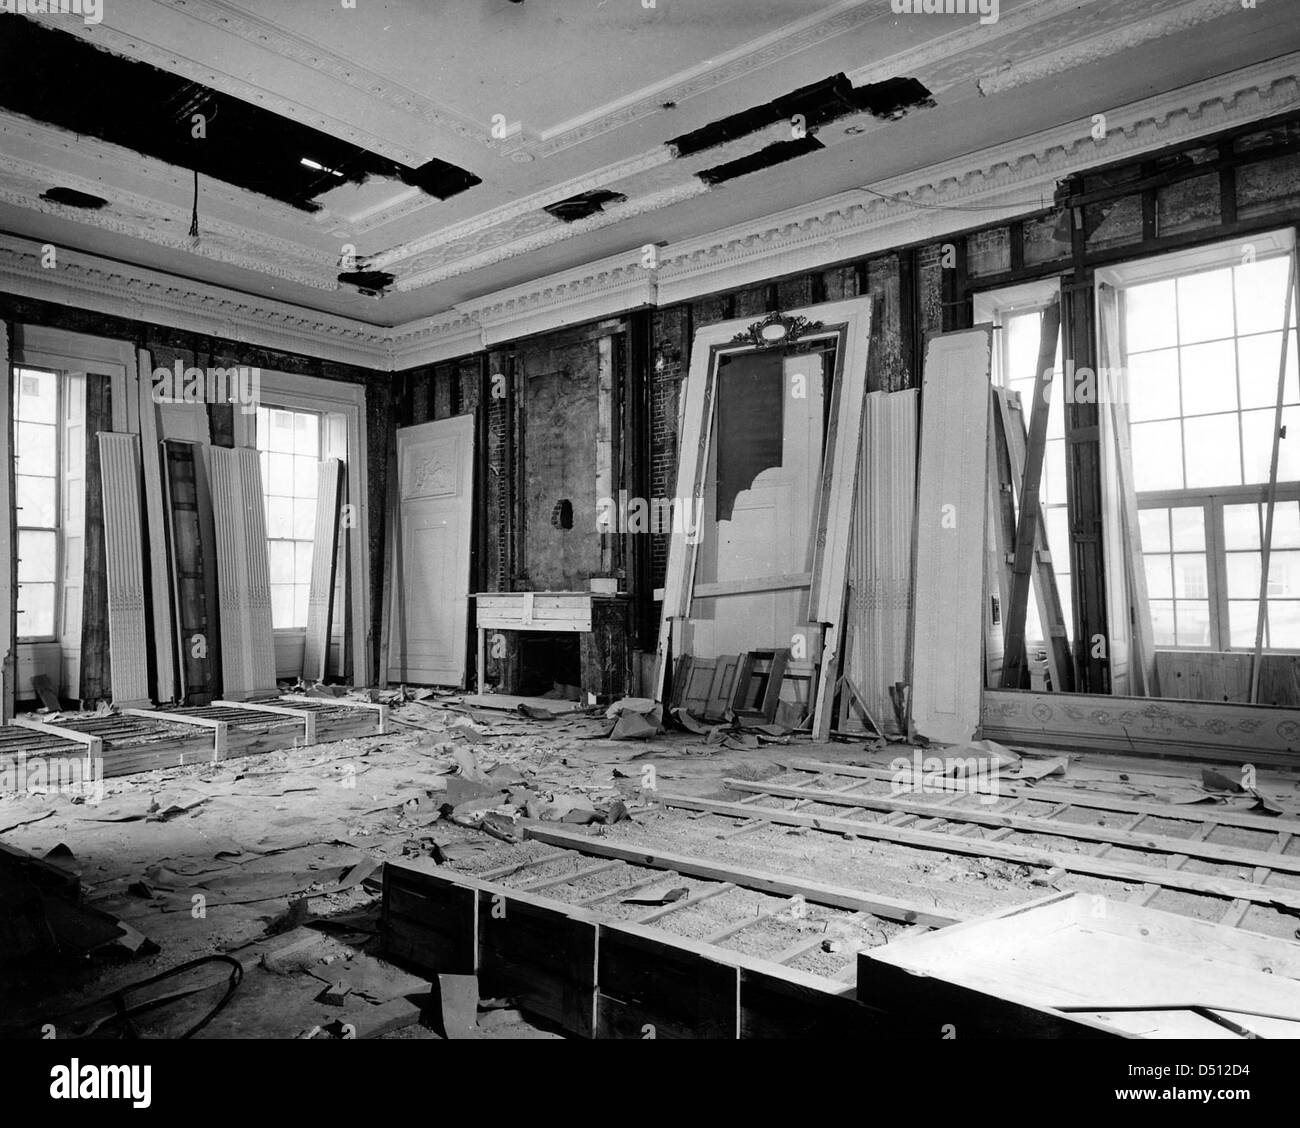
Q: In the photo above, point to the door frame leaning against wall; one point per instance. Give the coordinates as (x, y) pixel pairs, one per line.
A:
(850, 323)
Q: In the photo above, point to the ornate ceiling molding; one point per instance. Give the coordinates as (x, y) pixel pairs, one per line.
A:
(985, 187)
(105, 286)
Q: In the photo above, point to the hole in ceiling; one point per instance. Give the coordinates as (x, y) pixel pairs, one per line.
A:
(775, 154)
(372, 283)
(70, 197)
(819, 103)
(158, 114)
(583, 205)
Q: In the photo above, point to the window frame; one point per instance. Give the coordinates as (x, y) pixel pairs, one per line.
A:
(322, 426)
(1219, 255)
(16, 369)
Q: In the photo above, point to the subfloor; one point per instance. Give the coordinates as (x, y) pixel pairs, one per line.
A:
(273, 859)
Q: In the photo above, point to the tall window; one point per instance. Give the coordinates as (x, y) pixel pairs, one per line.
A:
(290, 445)
(36, 498)
(1201, 348)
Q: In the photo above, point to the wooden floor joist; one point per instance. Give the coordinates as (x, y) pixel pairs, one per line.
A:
(984, 848)
(1045, 824)
(1091, 798)
(307, 718)
(815, 892)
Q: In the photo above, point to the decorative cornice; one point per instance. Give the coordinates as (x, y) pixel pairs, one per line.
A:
(588, 293)
(110, 287)
(985, 187)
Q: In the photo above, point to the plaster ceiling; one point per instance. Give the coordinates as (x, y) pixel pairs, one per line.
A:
(549, 99)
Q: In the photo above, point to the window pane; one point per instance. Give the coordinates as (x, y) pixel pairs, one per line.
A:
(280, 482)
(281, 606)
(1058, 539)
(1261, 296)
(1286, 524)
(35, 610)
(1243, 575)
(1149, 317)
(1160, 582)
(304, 477)
(280, 553)
(38, 396)
(1153, 385)
(279, 518)
(1213, 447)
(1205, 306)
(1257, 437)
(304, 520)
(1193, 622)
(1023, 332)
(306, 434)
(1241, 526)
(1154, 526)
(1209, 378)
(1284, 575)
(280, 433)
(1188, 528)
(1162, 622)
(37, 556)
(302, 563)
(37, 449)
(35, 498)
(1241, 622)
(1189, 576)
(1157, 456)
(1258, 358)
(1284, 625)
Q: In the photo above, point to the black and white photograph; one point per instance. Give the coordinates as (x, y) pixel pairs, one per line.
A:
(572, 521)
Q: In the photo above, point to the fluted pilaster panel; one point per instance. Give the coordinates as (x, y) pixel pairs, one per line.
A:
(128, 640)
(243, 574)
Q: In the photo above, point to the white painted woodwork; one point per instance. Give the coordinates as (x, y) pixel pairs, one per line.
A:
(8, 555)
(767, 537)
(320, 593)
(164, 628)
(430, 589)
(880, 564)
(128, 637)
(952, 494)
(243, 574)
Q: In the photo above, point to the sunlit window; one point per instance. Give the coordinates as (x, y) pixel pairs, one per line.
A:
(290, 445)
(36, 499)
(1201, 354)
